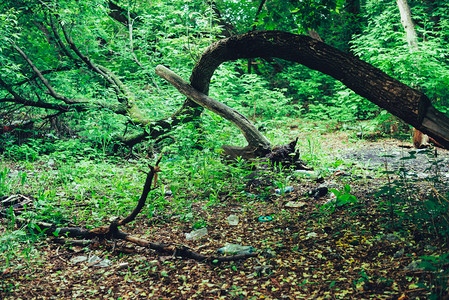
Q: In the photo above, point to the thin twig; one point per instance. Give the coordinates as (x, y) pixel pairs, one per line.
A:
(38, 73)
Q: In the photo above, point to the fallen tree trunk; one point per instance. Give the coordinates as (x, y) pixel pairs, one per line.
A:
(258, 145)
(407, 103)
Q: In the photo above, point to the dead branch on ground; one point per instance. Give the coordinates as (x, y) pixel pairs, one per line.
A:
(112, 232)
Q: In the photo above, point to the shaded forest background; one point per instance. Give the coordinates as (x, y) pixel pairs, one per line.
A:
(87, 68)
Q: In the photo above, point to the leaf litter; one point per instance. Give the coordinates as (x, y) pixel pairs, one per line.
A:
(303, 253)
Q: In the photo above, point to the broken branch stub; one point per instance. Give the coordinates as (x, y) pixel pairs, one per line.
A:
(258, 145)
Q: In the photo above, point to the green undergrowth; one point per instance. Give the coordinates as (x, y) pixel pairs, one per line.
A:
(75, 183)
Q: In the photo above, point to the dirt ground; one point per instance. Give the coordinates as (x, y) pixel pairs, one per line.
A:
(355, 252)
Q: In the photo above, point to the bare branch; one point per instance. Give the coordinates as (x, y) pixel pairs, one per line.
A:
(38, 73)
(20, 100)
(257, 143)
(256, 18)
(60, 42)
(59, 69)
(143, 197)
(121, 97)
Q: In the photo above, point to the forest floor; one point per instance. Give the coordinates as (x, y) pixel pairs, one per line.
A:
(354, 251)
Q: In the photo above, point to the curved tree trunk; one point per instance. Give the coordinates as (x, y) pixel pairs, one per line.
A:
(408, 104)
(258, 145)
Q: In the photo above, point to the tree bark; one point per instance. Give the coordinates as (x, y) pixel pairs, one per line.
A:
(407, 103)
(258, 145)
(420, 140)
(407, 23)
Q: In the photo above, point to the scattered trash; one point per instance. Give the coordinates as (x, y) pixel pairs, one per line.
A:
(269, 253)
(104, 263)
(113, 218)
(287, 189)
(430, 248)
(332, 198)
(123, 266)
(78, 259)
(168, 193)
(251, 195)
(196, 234)
(236, 249)
(51, 162)
(263, 270)
(312, 234)
(265, 219)
(96, 261)
(294, 204)
(310, 174)
(93, 259)
(233, 220)
(306, 173)
(399, 253)
(319, 192)
(339, 173)
(389, 237)
(414, 266)
(153, 263)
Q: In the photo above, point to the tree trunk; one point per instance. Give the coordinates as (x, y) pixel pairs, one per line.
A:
(420, 140)
(407, 103)
(258, 145)
(407, 23)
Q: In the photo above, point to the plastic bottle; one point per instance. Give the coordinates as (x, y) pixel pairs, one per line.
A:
(196, 234)
(287, 189)
(233, 220)
(306, 173)
(236, 249)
